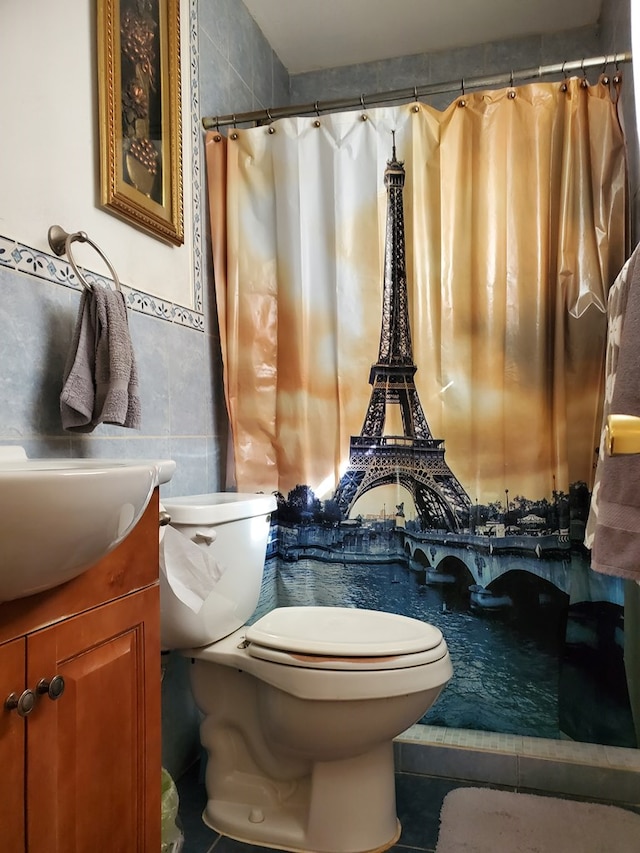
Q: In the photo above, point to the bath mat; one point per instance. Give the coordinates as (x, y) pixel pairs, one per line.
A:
(481, 820)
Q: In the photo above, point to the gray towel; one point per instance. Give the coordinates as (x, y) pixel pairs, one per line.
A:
(616, 539)
(100, 378)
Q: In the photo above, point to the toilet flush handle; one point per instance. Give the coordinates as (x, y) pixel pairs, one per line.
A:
(207, 536)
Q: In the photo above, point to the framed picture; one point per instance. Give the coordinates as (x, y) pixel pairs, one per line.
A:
(140, 114)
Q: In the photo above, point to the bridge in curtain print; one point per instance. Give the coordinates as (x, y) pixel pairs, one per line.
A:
(466, 560)
(441, 557)
(493, 570)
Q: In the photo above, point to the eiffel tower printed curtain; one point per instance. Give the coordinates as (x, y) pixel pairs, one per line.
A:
(514, 212)
(412, 312)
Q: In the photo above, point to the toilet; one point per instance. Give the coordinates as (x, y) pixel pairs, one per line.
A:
(301, 707)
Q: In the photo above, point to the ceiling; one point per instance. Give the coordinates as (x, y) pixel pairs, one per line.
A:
(309, 35)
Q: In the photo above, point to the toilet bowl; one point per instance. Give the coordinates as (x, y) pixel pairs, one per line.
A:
(299, 708)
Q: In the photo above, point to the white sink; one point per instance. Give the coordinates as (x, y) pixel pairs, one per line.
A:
(60, 516)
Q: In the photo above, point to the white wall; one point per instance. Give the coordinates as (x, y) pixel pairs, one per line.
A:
(49, 147)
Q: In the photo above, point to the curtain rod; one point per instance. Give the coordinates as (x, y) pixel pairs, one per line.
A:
(265, 116)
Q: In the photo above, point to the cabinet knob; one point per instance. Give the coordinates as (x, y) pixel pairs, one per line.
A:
(54, 688)
(23, 704)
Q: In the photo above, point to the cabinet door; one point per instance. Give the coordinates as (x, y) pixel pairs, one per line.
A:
(12, 743)
(93, 768)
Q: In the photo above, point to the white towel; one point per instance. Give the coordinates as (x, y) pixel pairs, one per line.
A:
(100, 379)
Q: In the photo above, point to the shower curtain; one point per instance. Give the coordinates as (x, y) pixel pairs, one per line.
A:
(512, 215)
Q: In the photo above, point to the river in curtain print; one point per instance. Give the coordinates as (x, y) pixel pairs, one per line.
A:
(525, 662)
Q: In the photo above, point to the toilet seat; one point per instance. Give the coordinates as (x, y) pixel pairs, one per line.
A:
(333, 679)
(341, 638)
(354, 664)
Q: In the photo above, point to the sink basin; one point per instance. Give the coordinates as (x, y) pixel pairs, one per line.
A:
(60, 516)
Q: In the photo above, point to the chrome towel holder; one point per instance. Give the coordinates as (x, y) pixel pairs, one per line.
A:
(60, 242)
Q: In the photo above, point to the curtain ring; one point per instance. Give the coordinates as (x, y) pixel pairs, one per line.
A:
(618, 77)
(235, 125)
(317, 109)
(415, 93)
(511, 79)
(362, 103)
(564, 86)
(584, 82)
(462, 86)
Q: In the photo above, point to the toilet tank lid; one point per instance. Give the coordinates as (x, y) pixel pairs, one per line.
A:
(218, 507)
(342, 631)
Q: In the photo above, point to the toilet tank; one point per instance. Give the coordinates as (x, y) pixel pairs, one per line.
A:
(234, 528)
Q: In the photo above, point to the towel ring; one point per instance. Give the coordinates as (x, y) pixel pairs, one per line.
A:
(60, 242)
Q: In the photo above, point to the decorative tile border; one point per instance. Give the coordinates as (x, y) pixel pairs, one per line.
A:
(21, 258)
(24, 259)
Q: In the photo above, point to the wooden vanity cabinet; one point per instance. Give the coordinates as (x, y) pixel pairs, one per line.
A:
(12, 747)
(80, 773)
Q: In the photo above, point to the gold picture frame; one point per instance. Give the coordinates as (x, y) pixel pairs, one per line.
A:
(140, 114)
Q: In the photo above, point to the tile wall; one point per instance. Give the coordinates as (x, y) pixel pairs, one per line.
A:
(444, 66)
